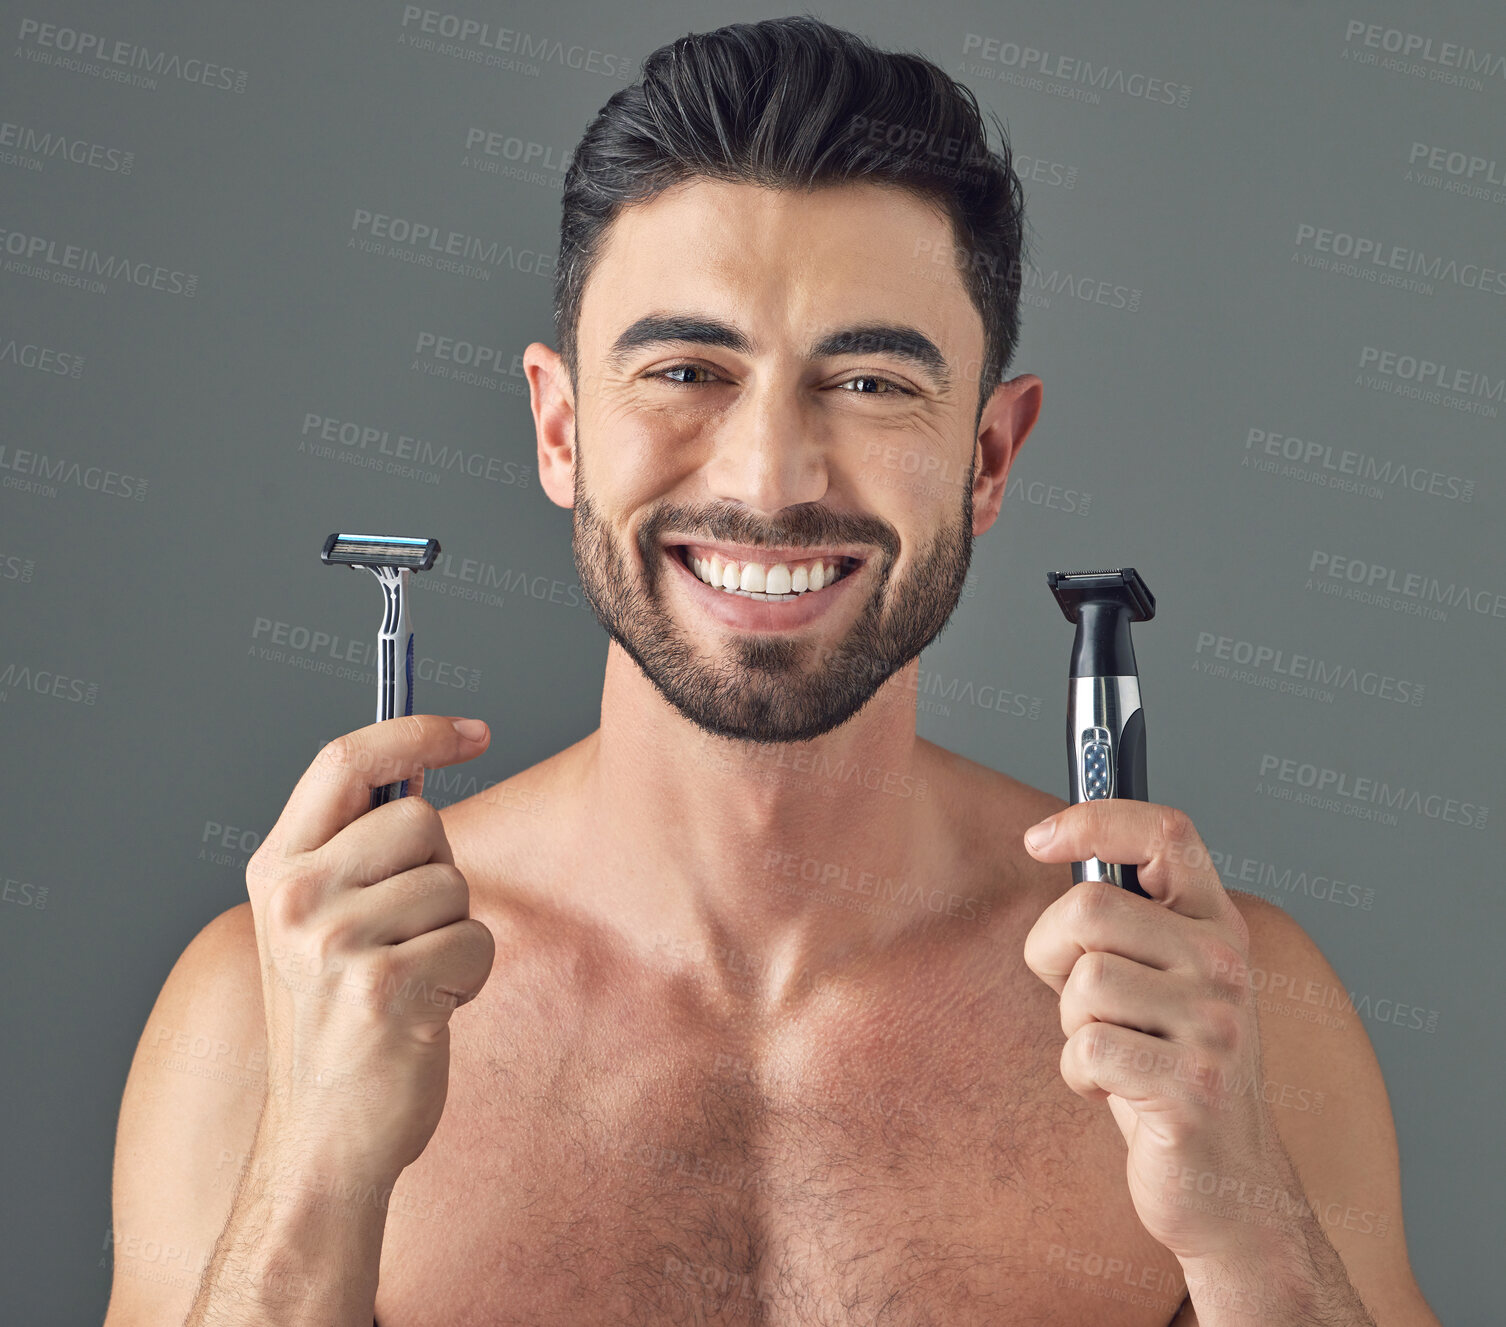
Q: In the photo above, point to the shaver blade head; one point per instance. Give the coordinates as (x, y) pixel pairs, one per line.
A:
(379, 550)
(1119, 585)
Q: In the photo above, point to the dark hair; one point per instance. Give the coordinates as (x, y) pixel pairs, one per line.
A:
(795, 103)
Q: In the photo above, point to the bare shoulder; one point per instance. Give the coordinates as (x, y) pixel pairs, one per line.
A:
(208, 1024)
(1330, 1106)
(987, 813)
(523, 798)
(999, 798)
(189, 1112)
(508, 841)
(515, 823)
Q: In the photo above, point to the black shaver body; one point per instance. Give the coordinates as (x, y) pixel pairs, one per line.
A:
(1105, 722)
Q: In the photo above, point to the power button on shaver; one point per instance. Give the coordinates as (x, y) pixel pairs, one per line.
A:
(1097, 764)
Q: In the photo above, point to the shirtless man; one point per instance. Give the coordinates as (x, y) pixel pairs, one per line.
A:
(771, 1017)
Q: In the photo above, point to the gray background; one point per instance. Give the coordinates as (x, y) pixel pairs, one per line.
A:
(152, 732)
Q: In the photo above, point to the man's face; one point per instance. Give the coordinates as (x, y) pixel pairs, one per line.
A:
(729, 442)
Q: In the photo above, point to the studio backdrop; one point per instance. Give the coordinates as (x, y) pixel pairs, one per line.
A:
(267, 272)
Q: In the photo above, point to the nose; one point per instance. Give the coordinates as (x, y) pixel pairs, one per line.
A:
(769, 452)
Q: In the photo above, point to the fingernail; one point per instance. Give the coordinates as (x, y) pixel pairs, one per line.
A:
(1038, 836)
(473, 730)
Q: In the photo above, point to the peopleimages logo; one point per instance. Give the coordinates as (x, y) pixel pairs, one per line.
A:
(490, 45)
(1283, 880)
(41, 145)
(42, 359)
(79, 265)
(275, 641)
(1325, 783)
(507, 156)
(1473, 168)
(1280, 665)
(465, 361)
(13, 567)
(346, 437)
(1028, 60)
(17, 463)
(1368, 579)
(1358, 467)
(1375, 260)
(428, 245)
(1445, 55)
(71, 49)
(1428, 379)
(1036, 284)
(45, 682)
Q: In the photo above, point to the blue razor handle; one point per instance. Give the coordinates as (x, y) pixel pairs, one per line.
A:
(394, 670)
(391, 559)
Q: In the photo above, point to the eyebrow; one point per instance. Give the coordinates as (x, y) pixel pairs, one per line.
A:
(897, 339)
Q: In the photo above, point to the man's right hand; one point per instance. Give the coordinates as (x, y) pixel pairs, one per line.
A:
(367, 947)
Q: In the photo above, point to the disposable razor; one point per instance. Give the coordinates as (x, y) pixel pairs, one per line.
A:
(391, 559)
(1105, 724)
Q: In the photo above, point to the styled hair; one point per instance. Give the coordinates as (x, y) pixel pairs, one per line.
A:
(794, 103)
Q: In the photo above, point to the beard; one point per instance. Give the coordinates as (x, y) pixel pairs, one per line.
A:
(770, 687)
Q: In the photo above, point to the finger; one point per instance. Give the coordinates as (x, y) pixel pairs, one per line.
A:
(410, 904)
(1101, 1058)
(336, 787)
(435, 973)
(1171, 861)
(388, 840)
(1108, 988)
(1097, 915)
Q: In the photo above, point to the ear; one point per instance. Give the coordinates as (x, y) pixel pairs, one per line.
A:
(1007, 419)
(553, 404)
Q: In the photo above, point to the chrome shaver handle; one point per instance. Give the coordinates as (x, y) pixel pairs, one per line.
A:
(1106, 758)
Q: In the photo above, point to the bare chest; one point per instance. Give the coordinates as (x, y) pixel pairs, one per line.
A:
(905, 1159)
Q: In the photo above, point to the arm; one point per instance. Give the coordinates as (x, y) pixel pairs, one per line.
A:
(191, 1201)
(1261, 1147)
(1341, 1259)
(293, 1250)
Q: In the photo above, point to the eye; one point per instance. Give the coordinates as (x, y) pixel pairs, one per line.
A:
(663, 374)
(883, 386)
(891, 386)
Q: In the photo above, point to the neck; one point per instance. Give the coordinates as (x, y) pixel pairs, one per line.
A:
(766, 866)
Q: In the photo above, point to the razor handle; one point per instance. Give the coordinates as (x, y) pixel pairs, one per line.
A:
(394, 666)
(1106, 758)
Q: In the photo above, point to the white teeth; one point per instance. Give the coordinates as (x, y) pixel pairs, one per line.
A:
(756, 581)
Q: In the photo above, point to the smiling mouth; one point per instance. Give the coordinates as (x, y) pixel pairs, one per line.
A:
(780, 582)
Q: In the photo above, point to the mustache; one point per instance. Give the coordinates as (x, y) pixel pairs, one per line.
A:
(805, 524)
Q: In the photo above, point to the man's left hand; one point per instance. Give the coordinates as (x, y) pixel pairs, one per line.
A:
(1160, 1020)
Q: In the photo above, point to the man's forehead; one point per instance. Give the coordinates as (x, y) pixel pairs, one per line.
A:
(849, 254)
(727, 221)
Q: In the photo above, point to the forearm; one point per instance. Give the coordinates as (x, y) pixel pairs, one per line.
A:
(1291, 1277)
(302, 1246)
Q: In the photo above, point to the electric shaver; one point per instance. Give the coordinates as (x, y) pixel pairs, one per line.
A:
(391, 559)
(1105, 724)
